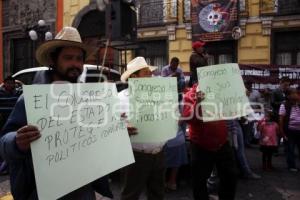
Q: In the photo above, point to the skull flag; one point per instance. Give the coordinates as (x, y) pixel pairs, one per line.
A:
(213, 20)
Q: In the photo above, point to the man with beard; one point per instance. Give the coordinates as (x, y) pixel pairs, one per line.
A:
(65, 55)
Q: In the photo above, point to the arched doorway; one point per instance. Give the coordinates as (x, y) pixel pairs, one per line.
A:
(91, 24)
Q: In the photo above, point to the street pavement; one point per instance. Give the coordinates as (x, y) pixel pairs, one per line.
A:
(279, 184)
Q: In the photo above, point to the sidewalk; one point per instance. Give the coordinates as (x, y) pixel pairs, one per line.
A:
(279, 184)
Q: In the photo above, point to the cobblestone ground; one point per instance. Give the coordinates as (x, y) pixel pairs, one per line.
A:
(279, 184)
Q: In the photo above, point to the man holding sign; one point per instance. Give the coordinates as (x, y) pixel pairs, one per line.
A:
(65, 55)
(209, 144)
(138, 103)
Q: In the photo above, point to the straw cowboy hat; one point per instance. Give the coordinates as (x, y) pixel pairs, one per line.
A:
(135, 65)
(67, 37)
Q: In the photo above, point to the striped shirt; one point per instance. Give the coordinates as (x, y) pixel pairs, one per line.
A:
(294, 123)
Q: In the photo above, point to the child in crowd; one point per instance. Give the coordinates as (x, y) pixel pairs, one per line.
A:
(269, 132)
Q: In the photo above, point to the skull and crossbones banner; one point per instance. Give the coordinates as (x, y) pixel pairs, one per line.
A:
(213, 20)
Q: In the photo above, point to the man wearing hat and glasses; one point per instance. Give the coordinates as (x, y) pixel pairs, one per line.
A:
(148, 169)
(65, 55)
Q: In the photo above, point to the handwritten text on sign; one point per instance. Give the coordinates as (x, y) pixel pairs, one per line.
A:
(153, 108)
(225, 94)
(79, 128)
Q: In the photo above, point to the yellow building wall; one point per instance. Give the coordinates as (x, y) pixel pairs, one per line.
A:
(181, 48)
(253, 6)
(254, 48)
(71, 8)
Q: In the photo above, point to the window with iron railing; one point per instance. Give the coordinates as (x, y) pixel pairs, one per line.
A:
(289, 53)
(268, 7)
(288, 7)
(214, 59)
(225, 58)
(155, 52)
(284, 58)
(187, 10)
(156, 12)
(211, 60)
(221, 52)
(280, 7)
(242, 5)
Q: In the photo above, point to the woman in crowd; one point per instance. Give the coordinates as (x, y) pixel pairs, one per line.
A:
(289, 123)
(175, 156)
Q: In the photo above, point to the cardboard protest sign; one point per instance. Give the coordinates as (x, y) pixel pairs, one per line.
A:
(83, 138)
(153, 108)
(225, 93)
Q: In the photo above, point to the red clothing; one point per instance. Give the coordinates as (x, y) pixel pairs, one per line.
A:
(210, 136)
(269, 132)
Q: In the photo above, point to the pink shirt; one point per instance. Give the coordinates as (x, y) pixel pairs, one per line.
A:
(294, 123)
(269, 133)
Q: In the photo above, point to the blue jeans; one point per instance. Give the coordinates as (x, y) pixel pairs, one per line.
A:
(290, 145)
(240, 151)
(248, 132)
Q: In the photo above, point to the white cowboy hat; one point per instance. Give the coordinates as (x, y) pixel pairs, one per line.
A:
(135, 65)
(67, 37)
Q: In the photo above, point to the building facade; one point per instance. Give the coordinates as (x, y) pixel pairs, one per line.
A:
(270, 31)
(18, 18)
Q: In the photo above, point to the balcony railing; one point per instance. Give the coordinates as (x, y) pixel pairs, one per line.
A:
(187, 10)
(280, 7)
(288, 7)
(156, 12)
(268, 7)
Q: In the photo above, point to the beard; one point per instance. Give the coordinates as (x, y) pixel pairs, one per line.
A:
(71, 74)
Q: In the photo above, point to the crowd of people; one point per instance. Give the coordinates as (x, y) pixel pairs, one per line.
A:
(216, 149)
(9, 93)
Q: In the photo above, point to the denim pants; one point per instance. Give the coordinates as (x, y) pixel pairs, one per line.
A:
(240, 151)
(248, 132)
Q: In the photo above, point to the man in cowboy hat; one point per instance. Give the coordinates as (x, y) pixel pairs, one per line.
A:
(65, 55)
(148, 169)
(198, 58)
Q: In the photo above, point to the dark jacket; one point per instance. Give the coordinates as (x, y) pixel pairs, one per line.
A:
(196, 60)
(277, 98)
(22, 179)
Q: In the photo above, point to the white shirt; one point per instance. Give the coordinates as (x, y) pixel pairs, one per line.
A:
(151, 148)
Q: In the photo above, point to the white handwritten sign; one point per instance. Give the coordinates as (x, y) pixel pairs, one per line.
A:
(225, 93)
(153, 108)
(82, 139)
